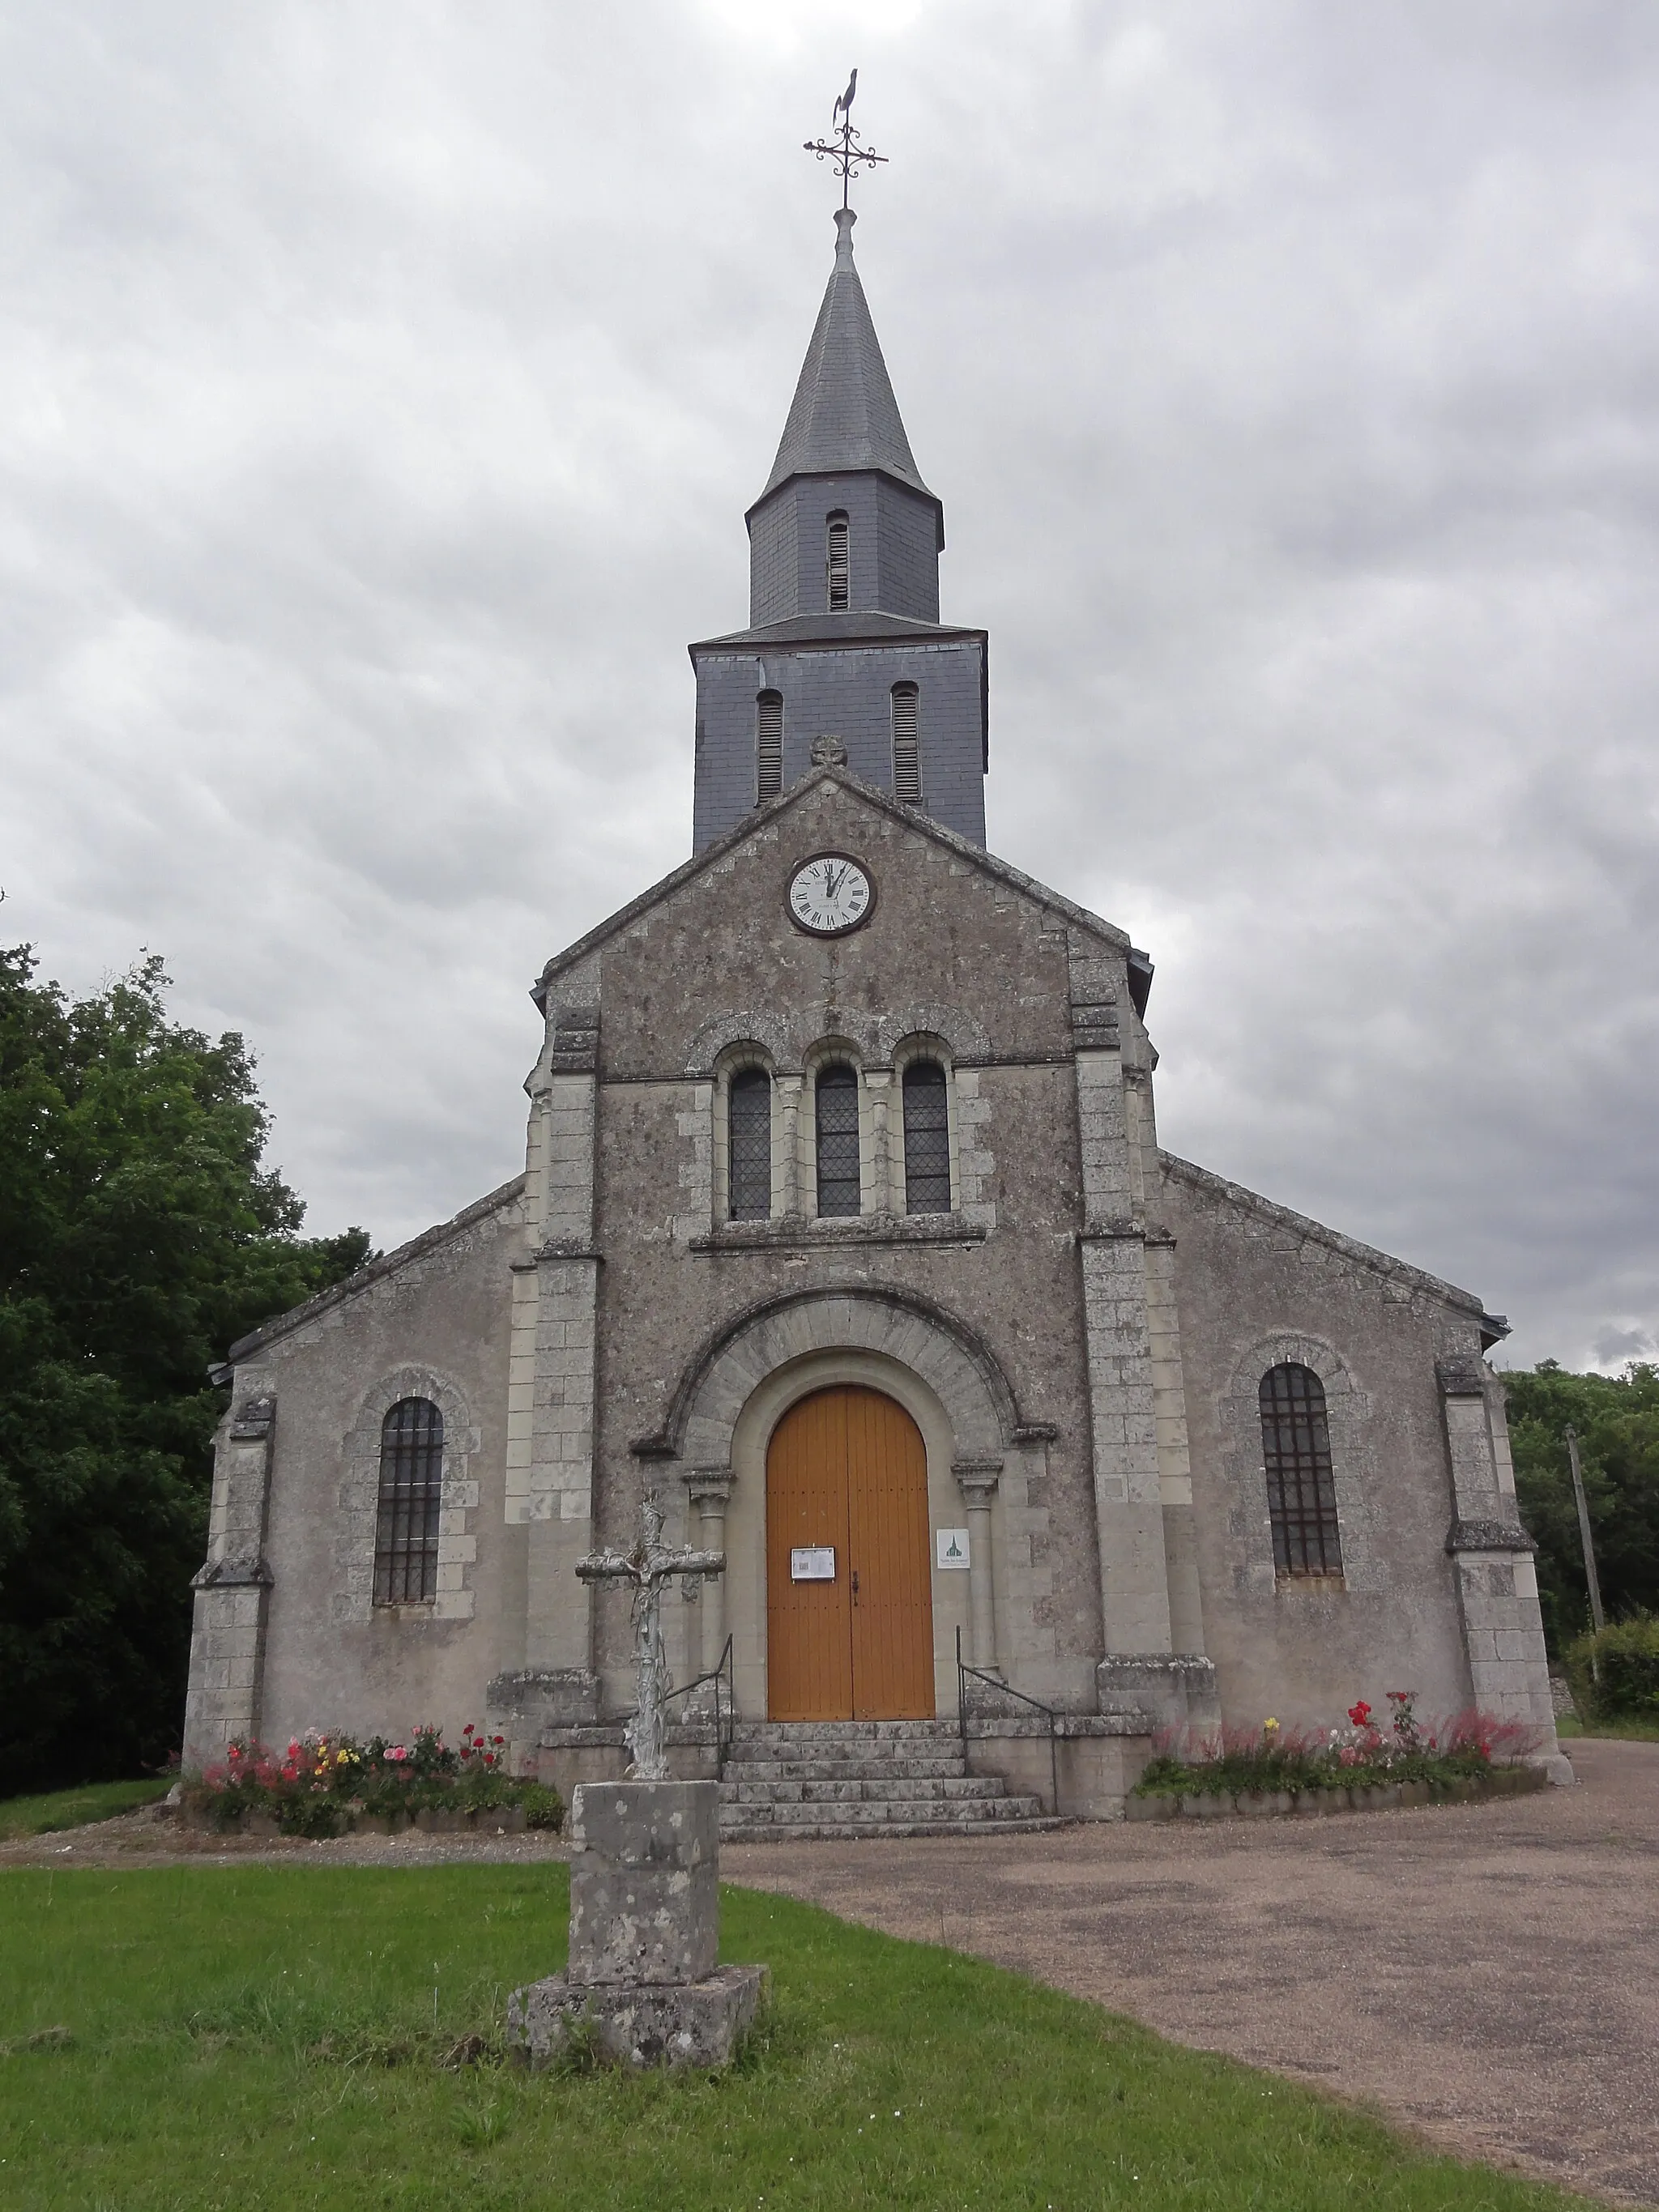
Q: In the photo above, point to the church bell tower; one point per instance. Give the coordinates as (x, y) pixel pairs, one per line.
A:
(844, 639)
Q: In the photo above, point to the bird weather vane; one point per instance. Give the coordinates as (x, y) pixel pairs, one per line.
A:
(844, 149)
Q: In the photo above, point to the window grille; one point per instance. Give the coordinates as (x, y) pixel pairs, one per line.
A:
(840, 1189)
(839, 564)
(927, 1139)
(1296, 1443)
(411, 1492)
(907, 744)
(769, 746)
(749, 1126)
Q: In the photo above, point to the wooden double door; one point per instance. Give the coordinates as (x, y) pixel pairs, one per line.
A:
(846, 1490)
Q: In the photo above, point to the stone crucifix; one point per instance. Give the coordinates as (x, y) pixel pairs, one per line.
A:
(649, 1569)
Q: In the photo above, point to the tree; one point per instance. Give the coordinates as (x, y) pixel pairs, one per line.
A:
(1617, 1418)
(139, 1237)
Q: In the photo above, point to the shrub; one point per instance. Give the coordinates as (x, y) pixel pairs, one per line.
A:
(323, 1778)
(1364, 1754)
(1626, 1656)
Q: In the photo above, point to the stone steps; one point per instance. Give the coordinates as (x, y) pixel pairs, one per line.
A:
(858, 1789)
(838, 1781)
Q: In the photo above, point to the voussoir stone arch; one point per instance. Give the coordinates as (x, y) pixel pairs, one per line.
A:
(772, 1032)
(353, 1593)
(897, 1325)
(956, 1028)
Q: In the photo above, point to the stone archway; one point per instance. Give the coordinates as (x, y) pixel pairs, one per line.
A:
(743, 1381)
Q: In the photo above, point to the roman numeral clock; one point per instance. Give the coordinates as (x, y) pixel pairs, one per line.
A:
(830, 894)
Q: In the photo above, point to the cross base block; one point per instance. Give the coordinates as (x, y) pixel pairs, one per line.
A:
(637, 2025)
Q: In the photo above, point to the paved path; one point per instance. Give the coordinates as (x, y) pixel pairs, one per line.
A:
(1487, 1974)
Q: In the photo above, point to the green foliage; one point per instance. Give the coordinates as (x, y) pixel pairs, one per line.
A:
(331, 2038)
(323, 1778)
(1623, 1682)
(1617, 1418)
(139, 1237)
(72, 1808)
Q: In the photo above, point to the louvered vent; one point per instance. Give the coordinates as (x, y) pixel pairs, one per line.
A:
(907, 745)
(769, 746)
(839, 564)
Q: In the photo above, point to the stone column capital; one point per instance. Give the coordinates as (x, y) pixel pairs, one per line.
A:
(708, 1484)
(977, 1479)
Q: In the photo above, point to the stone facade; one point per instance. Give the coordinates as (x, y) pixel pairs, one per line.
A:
(1080, 1337)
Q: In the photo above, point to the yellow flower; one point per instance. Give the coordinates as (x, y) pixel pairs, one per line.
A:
(1270, 1723)
(341, 1757)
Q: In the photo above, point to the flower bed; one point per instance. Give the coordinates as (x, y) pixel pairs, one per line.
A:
(326, 1784)
(1274, 1769)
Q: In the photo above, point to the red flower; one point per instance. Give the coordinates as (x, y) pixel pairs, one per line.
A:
(1360, 1714)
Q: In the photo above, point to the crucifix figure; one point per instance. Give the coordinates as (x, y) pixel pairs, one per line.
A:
(649, 1569)
(844, 151)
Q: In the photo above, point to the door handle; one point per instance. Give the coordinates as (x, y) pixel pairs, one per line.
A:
(855, 1585)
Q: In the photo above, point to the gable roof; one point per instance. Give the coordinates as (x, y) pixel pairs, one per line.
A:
(1494, 1327)
(920, 825)
(374, 1271)
(843, 416)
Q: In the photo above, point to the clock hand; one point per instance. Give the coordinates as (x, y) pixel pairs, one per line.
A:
(832, 884)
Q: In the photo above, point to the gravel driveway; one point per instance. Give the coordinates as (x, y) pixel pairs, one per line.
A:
(1487, 1974)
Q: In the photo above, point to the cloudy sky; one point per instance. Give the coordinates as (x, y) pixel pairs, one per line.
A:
(383, 386)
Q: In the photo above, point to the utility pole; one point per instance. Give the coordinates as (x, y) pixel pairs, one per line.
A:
(1597, 1617)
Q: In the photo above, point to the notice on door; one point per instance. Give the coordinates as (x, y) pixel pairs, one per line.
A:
(812, 1563)
(953, 1544)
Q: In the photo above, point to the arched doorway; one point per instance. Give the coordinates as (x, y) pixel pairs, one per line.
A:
(849, 1605)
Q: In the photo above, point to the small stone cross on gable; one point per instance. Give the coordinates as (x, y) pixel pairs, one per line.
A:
(650, 1569)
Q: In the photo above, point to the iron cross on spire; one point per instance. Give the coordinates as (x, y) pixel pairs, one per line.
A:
(844, 149)
(649, 1569)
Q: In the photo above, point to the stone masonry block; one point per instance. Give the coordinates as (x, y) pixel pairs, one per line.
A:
(644, 1888)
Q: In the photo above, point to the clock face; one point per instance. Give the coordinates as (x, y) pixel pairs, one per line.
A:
(830, 894)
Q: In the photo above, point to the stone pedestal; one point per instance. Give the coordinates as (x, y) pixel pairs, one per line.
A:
(1167, 1689)
(642, 1979)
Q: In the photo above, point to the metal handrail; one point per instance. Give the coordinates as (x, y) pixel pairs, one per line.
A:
(1052, 1712)
(725, 1728)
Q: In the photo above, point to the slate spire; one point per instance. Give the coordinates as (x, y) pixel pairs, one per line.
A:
(844, 416)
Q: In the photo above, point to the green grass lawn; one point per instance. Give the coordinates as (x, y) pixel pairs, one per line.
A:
(249, 2036)
(1622, 1731)
(73, 1808)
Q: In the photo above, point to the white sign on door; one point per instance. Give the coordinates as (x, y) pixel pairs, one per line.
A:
(812, 1563)
(952, 1547)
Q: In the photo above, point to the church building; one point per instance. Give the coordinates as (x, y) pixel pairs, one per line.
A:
(845, 1231)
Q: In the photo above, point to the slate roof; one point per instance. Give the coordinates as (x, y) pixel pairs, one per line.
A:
(838, 628)
(844, 415)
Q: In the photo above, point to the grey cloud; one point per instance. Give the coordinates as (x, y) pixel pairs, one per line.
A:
(382, 411)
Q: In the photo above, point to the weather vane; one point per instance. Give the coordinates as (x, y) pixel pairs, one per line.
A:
(844, 149)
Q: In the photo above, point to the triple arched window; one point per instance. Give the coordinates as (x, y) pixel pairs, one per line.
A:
(411, 1498)
(748, 1145)
(926, 1138)
(840, 1179)
(831, 1178)
(1296, 1446)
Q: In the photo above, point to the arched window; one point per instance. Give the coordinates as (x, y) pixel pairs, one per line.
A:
(1295, 1444)
(927, 1139)
(839, 562)
(411, 1492)
(769, 746)
(907, 744)
(748, 1152)
(840, 1189)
